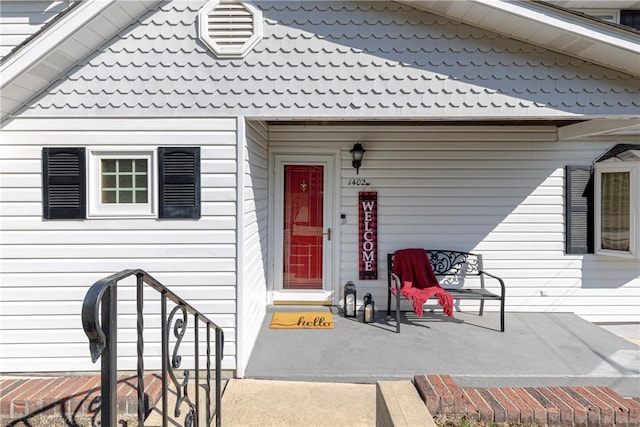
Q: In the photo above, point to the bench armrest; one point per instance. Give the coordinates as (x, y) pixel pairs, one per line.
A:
(497, 278)
(396, 279)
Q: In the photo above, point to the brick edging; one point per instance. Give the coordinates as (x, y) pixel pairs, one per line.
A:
(24, 398)
(554, 406)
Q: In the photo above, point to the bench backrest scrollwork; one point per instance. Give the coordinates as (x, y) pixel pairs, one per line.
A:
(450, 266)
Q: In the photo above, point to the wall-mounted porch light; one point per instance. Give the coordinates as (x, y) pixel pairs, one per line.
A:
(356, 154)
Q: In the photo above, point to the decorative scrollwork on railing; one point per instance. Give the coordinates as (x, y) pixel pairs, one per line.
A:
(179, 330)
(100, 324)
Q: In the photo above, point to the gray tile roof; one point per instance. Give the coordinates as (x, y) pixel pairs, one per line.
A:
(331, 60)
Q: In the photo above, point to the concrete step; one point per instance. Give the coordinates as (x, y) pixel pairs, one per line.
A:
(399, 405)
(247, 403)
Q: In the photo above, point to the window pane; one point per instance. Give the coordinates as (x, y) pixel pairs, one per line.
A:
(108, 196)
(615, 216)
(125, 165)
(125, 196)
(108, 181)
(141, 166)
(108, 165)
(141, 196)
(141, 181)
(125, 181)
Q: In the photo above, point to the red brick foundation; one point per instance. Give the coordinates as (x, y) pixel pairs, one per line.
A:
(545, 406)
(69, 397)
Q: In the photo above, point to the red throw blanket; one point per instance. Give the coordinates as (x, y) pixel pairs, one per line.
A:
(419, 282)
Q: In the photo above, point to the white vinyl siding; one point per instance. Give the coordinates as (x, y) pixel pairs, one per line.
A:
(253, 287)
(496, 191)
(21, 19)
(48, 266)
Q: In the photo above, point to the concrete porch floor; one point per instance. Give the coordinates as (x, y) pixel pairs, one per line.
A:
(327, 377)
(537, 349)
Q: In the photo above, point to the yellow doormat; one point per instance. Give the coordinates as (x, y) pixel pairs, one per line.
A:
(302, 320)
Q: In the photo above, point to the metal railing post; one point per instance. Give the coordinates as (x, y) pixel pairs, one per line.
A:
(208, 411)
(197, 368)
(108, 363)
(219, 349)
(165, 359)
(140, 346)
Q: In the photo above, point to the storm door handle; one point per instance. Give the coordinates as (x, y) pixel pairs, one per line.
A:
(328, 234)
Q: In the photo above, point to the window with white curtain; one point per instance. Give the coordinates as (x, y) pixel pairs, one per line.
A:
(617, 214)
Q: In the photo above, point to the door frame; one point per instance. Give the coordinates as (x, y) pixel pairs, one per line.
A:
(277, 159)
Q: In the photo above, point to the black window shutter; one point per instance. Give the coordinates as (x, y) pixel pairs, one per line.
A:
(179, 170)
(579, 210)
(64, 183)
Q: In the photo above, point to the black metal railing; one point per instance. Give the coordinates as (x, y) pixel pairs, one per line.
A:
(99, 320)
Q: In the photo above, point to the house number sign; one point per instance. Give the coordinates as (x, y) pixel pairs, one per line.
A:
(368, 234)
(358, 182)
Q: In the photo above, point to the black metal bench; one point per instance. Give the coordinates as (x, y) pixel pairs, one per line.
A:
(452, 269)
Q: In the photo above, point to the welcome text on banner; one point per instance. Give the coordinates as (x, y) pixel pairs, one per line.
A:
(368, 234)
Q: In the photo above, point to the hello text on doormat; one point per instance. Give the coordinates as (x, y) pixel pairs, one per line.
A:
(302, 320)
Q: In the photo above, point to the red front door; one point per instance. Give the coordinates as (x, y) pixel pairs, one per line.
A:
(303, 226)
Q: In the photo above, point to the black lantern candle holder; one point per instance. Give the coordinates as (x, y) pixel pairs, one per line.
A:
(368, 311)
(349, 307)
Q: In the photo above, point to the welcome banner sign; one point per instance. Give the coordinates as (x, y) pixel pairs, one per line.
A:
(368, 234)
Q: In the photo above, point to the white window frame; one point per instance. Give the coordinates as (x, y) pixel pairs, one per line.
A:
(633, 168)
(97, 209)
(607, 15)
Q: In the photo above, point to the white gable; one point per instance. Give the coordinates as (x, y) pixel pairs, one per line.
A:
(336, 60)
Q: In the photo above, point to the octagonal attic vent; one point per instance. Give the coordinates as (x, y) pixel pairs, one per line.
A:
(230, 27)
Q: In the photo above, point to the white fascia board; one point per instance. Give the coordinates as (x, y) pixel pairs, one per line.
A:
(594, 31)
(47, 41)
(598, 127)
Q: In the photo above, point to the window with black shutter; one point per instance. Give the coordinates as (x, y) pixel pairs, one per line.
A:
(579, 210)
(179, 189)
(121, 183)
(63, 183)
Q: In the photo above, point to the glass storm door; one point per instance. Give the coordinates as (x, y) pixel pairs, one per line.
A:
(303, 227)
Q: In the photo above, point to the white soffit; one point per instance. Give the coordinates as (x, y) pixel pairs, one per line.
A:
(548, 27)
(34, 66)
(595, 127)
